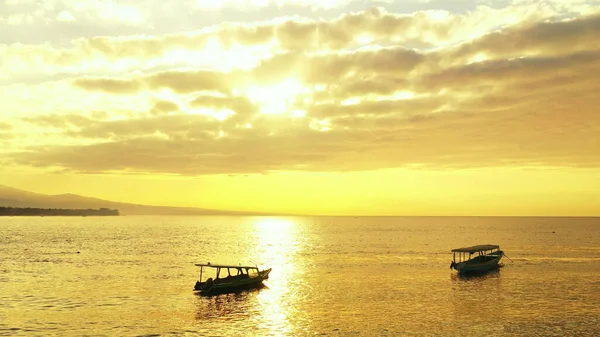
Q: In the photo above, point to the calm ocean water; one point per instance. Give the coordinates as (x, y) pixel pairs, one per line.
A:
(332, 276)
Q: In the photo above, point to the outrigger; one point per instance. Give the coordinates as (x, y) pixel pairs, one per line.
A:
(238, 278)
(488, 257)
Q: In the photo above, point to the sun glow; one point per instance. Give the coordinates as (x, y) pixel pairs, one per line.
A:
(275, 228)
(363, 39)
(351, 101)
(275, 99)
(479, 57)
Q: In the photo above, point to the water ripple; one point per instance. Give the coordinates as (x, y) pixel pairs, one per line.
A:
(331, 276)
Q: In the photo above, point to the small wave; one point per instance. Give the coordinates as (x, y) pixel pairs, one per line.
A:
(543, 260)
(107, 305)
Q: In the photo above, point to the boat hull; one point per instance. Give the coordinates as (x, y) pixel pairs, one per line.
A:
(234, 286)
(481, 264)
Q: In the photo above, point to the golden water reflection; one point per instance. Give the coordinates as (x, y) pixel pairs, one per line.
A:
(278, 242)
(272, 242)
(331, 277)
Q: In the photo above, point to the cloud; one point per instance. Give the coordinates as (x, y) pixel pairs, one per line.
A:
(213, 47)
(63, 121)
(541, 38)
(113, 86)
(385, 70)
(510, 126)
(248, 4)
(65, 16)
(317, 69)
(366, 90)
(162, 107)
(179, 126)
(496, 73)
(322, 68)
(5, 126)
(193, 146)
(64, 9)
(180, 81)
(6, 130)
(374, 110)
(241, 105)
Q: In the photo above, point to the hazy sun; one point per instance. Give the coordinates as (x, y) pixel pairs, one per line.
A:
(275, 99)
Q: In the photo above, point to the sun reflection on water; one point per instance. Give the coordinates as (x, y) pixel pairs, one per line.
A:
(278, 243)
(270, 242)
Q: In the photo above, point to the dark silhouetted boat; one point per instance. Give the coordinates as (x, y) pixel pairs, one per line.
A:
(486, 258)
(228, 278)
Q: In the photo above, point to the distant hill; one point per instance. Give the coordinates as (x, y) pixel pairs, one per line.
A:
(13, 197)
(28, 211)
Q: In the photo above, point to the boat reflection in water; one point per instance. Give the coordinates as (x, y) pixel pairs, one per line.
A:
(476, 277)
(230, 306)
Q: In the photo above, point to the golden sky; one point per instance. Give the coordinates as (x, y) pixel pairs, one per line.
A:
(370, 107)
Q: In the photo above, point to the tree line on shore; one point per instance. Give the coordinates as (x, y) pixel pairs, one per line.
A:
(15, 211)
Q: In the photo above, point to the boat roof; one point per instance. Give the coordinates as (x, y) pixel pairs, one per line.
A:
(477, 248)
(211, 265)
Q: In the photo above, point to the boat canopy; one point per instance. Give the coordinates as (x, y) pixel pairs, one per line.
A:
(474, 249)
(224, 266)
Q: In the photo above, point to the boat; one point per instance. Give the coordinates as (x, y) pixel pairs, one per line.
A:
(228, 278)
(487, 258)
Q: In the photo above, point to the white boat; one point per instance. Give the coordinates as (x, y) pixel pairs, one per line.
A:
(486, 258)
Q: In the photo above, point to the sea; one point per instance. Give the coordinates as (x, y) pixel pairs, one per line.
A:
(332, 276)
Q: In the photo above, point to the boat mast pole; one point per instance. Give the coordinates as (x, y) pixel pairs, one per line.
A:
(200, 280)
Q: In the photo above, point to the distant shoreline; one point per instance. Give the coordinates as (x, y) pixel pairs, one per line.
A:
(29, 211)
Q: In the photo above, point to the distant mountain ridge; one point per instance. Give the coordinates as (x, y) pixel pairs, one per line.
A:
(13, 197)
